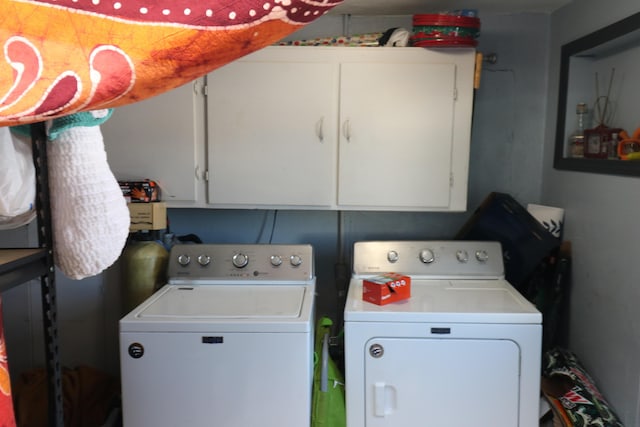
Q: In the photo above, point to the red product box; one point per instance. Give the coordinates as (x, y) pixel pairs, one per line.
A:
(140, 191)
(386, 288)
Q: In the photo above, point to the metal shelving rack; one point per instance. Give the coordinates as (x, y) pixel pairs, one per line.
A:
(18, 266)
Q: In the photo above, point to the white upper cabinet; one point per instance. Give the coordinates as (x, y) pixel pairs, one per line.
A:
(161, 138)
(397, 135)
(291, 127)
(272, 130)
(341, 128)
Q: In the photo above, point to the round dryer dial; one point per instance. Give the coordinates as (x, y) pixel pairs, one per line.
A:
(184, 260)
(427, 256)
(462, 255)
(240, 260)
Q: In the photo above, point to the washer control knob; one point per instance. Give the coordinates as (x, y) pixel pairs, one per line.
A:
(427, 256)
(240, 260)
(184, 260)
(393, 256)
(204, 260)
(462, 255)
(296, 260)
(276, 260)
(482, 255)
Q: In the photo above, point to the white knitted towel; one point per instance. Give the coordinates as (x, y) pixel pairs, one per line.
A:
(89, 214)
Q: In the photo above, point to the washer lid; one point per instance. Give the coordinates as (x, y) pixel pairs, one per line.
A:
(448, 301)
(240, 307)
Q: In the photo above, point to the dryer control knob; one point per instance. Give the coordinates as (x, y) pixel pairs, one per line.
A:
(462, 255)
(393, 256)
(482, 256)
(427, 256)
(184, 260)
(296, 260)
(204, 260)
(276, 260)
(240, 260)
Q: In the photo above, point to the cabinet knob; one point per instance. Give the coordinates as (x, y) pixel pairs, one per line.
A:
(320, 129)
(346, 130)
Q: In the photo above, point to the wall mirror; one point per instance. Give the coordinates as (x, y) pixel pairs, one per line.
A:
(600, 93)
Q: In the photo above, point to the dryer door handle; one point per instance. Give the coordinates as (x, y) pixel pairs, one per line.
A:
(384, 399)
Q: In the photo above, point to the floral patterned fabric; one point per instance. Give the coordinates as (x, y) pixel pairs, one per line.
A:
(7, 418)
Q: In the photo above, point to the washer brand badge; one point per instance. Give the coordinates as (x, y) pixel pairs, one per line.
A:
(136, 350)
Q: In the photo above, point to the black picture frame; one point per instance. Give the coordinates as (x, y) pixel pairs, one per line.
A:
(607, 35)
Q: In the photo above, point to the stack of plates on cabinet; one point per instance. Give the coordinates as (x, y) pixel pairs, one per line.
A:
(445, 30)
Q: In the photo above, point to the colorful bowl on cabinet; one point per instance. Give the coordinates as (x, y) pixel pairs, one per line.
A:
(444, 30)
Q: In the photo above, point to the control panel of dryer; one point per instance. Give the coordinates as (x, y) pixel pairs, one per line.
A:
(255, 262)
(432, 259)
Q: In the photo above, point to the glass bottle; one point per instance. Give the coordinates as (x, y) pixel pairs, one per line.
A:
(613, 147)
(576, 139)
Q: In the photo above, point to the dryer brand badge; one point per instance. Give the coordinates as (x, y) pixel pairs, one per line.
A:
(136, 350)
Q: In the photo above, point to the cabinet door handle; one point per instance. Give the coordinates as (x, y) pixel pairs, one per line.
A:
(346, 130)
(320, 129)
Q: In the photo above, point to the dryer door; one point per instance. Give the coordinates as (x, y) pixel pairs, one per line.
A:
(441, 382)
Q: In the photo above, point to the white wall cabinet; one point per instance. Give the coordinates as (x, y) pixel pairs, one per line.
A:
(341, 128)
(162, 138)
(272, 127)
(308, 128)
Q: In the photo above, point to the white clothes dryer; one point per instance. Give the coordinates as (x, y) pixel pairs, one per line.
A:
(227, 342)
(464, 350)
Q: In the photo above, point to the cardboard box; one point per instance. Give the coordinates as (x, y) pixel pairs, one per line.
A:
(148, 216)
(386, 288)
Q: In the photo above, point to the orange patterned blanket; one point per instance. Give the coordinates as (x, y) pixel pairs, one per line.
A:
(66, 56)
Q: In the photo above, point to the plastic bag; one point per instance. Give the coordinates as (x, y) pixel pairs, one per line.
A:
(17, 181)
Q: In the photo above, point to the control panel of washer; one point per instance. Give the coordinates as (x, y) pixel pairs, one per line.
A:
(437, 259)
(267, 262)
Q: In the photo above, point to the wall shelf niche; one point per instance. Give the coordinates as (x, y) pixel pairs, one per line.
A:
(605, 62)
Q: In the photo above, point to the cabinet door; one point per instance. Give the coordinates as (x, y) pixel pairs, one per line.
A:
(272, 134)
(396, 135)
(158, 139)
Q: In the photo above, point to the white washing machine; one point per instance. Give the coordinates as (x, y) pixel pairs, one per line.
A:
(227, 342)
(464, 350)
